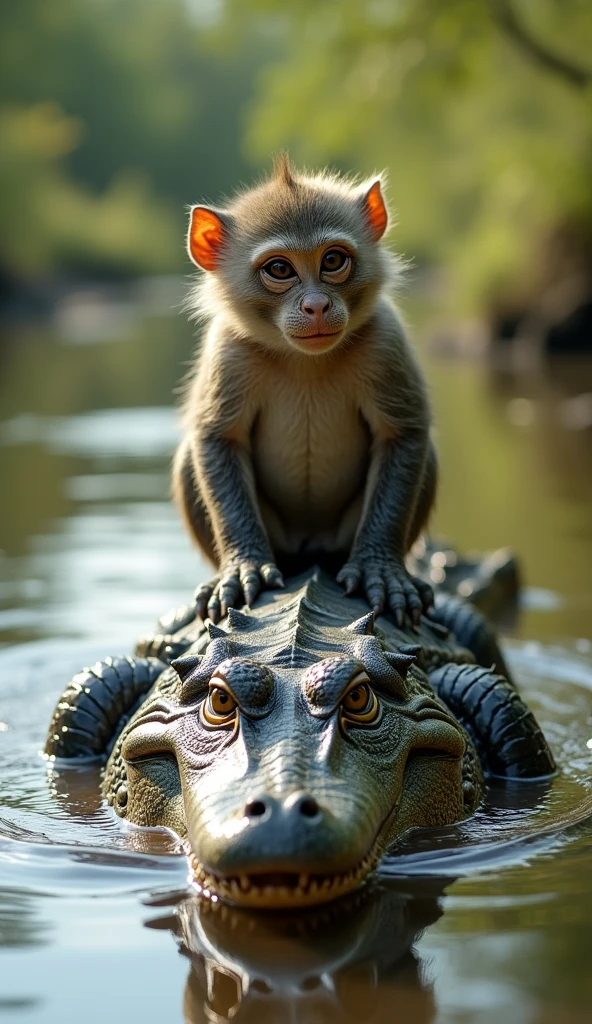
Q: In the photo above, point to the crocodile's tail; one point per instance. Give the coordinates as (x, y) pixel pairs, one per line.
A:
(472, 630)
(96, 704)
(506, 734)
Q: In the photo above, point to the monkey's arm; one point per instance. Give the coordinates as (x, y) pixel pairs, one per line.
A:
(400, 485)
(221, 412)
(246, 558)
(377, 559)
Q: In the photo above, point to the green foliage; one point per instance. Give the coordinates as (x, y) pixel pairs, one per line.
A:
(115, 115)
(487, 147)
(47, 219)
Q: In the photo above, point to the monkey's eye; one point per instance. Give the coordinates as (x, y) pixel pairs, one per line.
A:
(359, 704)
(219, 708)
(278, 275)
(333, 260)
(281, 270)
(336, 265)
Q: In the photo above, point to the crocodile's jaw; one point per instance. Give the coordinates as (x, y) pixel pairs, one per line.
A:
(282, 891)
(284, 887)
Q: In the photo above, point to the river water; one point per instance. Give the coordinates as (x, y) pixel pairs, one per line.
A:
(489, 920)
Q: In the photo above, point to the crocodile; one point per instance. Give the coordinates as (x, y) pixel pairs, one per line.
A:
(293, 743)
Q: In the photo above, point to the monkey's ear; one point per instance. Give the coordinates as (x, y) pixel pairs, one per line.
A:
(375, 210)
(207, 234)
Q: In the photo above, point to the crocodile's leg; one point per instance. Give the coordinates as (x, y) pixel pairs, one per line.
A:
(472, 630)
(506, 734)
(96, 704)
(175, 633)
(162, 646)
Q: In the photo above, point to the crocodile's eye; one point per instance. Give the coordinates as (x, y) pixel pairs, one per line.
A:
(357, 699)
(359, 704)
(219, 708)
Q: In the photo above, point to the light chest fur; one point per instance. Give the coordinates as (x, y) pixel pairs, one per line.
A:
(310, 450)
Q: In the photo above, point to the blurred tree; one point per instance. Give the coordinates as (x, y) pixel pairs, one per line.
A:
(47, 219)
(115, 115)
(480, 110)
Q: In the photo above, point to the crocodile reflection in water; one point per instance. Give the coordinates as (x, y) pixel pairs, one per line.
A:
(351, 961)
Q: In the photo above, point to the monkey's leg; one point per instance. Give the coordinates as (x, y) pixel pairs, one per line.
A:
(425, 500)
(189, 501)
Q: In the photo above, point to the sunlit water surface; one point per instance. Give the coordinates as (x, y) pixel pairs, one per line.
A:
(489, 918)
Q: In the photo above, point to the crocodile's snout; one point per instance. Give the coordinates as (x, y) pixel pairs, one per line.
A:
(282, 851)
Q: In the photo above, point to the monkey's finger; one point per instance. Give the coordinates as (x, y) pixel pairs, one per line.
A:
(375, 592)
(425, 592)
(250, 582)
(397, 602)
(350, 577)
(229, 592)
(202, 596)
(272, 576)
(214, 608)
(413, 602)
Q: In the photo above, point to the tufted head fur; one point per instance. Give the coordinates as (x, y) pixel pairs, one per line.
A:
(319, 233)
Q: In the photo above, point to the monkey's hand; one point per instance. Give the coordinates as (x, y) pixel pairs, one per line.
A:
(387, 584)
(237, 583)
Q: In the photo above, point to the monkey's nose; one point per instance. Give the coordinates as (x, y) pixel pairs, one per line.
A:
(316, 305)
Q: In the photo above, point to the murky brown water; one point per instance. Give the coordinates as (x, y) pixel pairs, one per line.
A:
(489, 920)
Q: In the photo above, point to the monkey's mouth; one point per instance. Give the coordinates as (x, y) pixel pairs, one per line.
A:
(316, 337)
(316, 342)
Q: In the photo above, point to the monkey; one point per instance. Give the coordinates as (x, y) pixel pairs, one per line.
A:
(306, 417)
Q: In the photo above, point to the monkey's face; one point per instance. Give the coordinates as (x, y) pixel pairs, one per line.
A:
(308, 293)
(296, 262)
(311, 278)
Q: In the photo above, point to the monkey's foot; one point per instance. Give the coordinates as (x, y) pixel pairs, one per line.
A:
(387, 585)
(238, 583)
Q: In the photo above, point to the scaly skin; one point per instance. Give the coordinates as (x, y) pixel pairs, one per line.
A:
(291, 746)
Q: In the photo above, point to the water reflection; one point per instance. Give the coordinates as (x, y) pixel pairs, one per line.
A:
(353, 961)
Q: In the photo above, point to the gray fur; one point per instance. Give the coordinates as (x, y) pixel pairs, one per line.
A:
(294, 453)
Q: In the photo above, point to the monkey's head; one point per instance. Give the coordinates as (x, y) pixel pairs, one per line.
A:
(296, 261)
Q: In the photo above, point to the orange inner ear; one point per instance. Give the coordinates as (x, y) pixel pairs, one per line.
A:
(376, 211)
(206, 237)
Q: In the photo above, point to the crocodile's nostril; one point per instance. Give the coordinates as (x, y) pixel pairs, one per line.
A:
(256, 809)
(309, 807)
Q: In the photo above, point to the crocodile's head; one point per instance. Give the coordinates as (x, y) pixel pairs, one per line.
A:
(290, 754)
